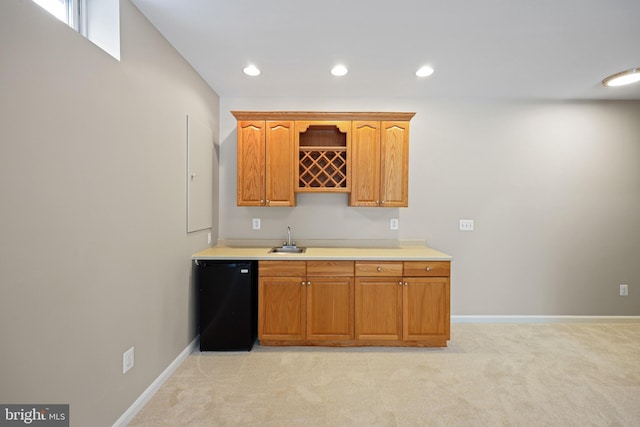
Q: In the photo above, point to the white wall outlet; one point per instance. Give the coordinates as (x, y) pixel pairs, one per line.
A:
(393, 224)
(127, 360)
(466, 225)
(255, 223)
(624, 290)
(208, 238)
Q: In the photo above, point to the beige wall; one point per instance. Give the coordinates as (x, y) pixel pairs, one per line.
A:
(94, 255)
(553, 187)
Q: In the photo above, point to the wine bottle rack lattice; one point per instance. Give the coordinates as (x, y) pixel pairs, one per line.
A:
(322, 168)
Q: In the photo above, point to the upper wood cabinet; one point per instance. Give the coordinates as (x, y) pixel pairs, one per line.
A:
(380, 164)
(281, 153)
(266, 163)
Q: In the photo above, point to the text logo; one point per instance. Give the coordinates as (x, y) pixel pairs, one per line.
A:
(34, 415)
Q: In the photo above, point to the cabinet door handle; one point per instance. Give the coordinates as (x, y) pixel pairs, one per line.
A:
(428, 268)
(379, 268)
(377, 202)
(383, 202)
(400, 283)
(302, 283)
(406, 283)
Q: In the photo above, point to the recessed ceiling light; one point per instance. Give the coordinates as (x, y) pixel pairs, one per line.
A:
(339, 70)
(251, 70)
(424, 71)
(623, 78)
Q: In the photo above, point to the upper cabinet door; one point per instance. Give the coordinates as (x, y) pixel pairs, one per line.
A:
(394, 170)
(280, 163)
(251, 163)
(266, 163)
(365, 164)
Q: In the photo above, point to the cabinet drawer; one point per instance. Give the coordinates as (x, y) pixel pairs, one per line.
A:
(282, 268)
(426, 268)
(330, 268)
(378, 268)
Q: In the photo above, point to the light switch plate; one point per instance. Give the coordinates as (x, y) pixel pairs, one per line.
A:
(624, 290)
(127, 360)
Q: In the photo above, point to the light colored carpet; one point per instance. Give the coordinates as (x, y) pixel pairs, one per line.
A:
(567, 374)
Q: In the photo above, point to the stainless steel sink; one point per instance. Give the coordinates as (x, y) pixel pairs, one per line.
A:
(287, 250)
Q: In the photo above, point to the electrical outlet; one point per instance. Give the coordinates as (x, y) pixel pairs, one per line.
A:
(393, 224)
(127, 360)
(624, 290)
(466, 225)
(255, 223)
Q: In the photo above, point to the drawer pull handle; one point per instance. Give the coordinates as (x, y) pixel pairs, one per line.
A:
(428, 268)
(379, 268)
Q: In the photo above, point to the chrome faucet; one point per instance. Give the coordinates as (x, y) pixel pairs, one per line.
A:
(289, 243)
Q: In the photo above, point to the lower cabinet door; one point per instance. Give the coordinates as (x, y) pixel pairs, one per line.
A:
(281, 308)
(378, 308)
(426, 308)
(329, 308)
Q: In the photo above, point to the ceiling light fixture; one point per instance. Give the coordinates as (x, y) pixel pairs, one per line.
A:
(251, 70)
(622, 78)
(339, 70)
(424, 71)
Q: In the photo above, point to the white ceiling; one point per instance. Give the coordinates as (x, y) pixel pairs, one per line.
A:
(535, 49)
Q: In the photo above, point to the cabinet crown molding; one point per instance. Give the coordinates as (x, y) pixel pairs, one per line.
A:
(322, 115)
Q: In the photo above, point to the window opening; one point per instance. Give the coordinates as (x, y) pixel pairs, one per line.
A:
(58, 8)
(96, 20)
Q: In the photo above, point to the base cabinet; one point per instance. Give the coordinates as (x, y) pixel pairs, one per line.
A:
(354, 303)
(329, 308)
(379, 308)
(281, 309)
(425, 314)
(294, 307)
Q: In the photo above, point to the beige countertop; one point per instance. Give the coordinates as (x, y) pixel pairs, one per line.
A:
(399, 253)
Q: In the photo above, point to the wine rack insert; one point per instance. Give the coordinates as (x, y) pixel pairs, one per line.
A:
(322, 159)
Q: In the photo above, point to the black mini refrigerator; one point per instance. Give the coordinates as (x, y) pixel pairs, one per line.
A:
(228, 304)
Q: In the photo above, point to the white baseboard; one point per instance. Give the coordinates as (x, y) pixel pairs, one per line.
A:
(146, 396)
(543, 319)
